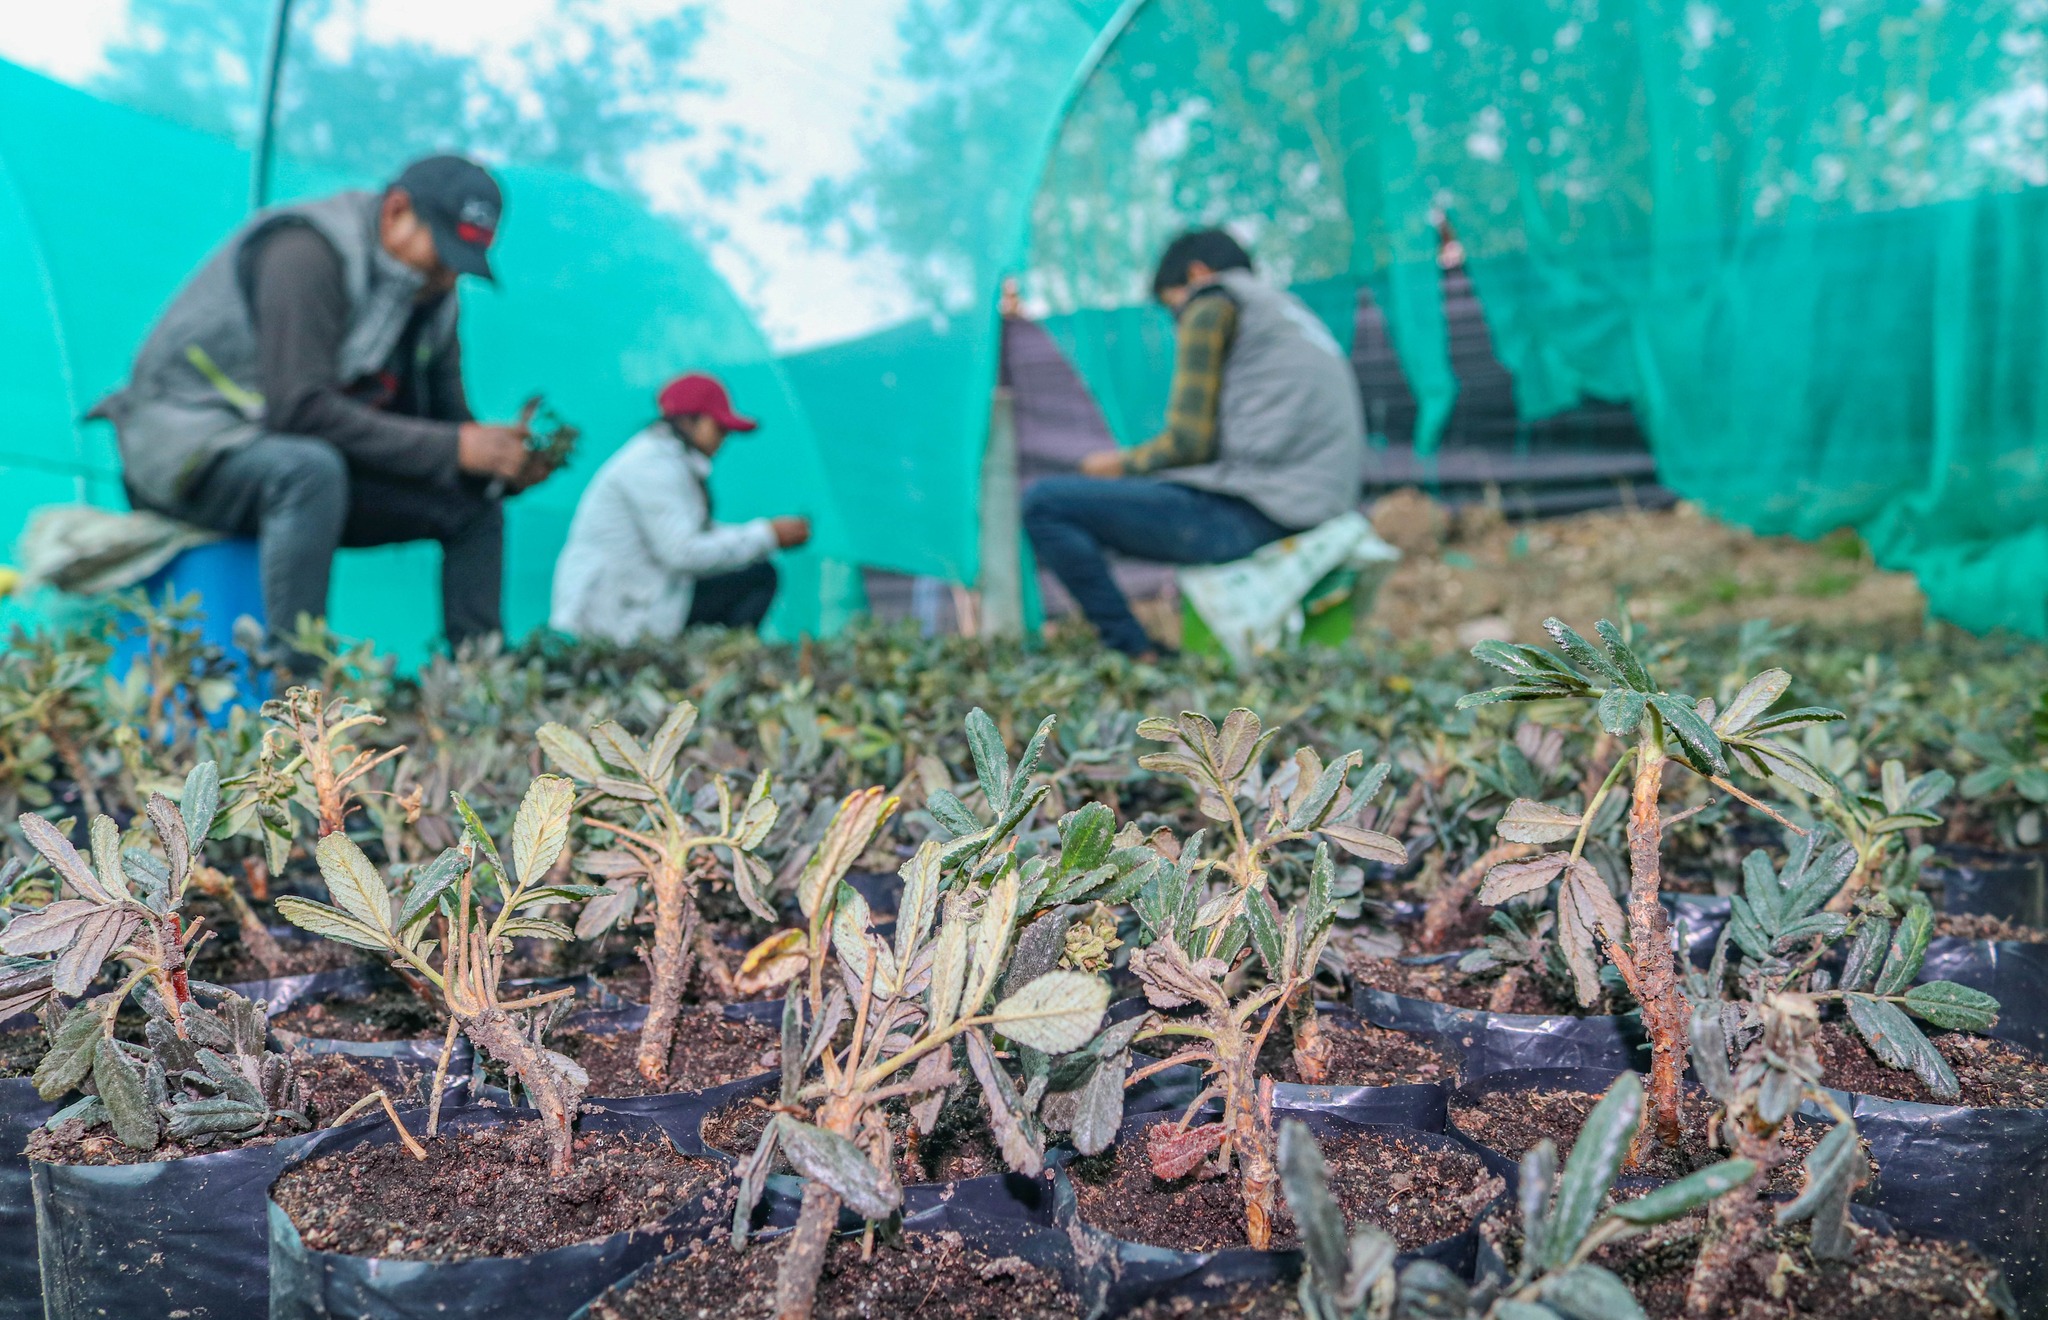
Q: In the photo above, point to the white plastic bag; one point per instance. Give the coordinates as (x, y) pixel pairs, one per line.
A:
(1254, 604)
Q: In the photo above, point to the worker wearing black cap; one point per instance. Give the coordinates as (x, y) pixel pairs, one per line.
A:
(305, 388)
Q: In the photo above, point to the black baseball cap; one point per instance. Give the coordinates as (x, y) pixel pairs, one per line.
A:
(461, 204)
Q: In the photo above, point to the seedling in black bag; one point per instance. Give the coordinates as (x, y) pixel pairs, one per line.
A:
(1066, 919)
(909, 1001)
(466, 963)
(1351, 1276)
(1780, 923)
(638, 789)
(1306, 801)
(1776, 1073)
(1874, 822)
(1629, 702)
(203, 1074)
(309, 759)
(1231, 1025)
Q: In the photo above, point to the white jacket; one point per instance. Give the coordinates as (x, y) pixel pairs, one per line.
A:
(641, 537)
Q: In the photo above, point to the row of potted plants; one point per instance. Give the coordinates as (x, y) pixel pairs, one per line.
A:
(999, 962)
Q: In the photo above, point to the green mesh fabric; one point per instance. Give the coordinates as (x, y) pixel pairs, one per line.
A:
(598, 303)
(1800, 240)
(1803, 241)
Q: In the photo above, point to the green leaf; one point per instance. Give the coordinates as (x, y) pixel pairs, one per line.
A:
(1785, 721)
(325, 921)
(1372, 845)
(48, 929)
(991, 759)
(952, 813)
(56, 849)
(1305, 1180)
(1781, 762)
(1624, 657)
(1087, 837)
(839, 1164)
(1587, 1292)
(1835, 1160)
(1529, 821)
(477, 833)
(920, 902)
(1553, 690)
(1590, 1169)
(1584, 654)
(199, 802)
(752, 1179)
(1099, 1110)
(119, 1083)
(617, 747)
(1909, 949)
(353, 882)
(792, 1040)
(668, 740)
(569, 751)
(1866, 951)
(1507, 1308)
(539, 928)
(427, 885)
(1747, 931)
(70, 1055)
(106, 855)
(1701, 748)
(1897, 1043)
(1057, 1012)
(1511, 880)
(1827, 926)
(949, 974)
(1952, 1007)
(1538, 1182)
(1264, 920)
(541, 829)
(1760, 887)
(1689, 1193)
(1620, 711)
(1757, 696)
(991, 941)
(1034, 750)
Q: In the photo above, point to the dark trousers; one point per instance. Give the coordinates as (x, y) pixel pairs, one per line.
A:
(1073, 521)
(735, 600)
(298, 498)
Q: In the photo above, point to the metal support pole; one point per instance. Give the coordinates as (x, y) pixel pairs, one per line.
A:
(1002, 581)
(266, 126)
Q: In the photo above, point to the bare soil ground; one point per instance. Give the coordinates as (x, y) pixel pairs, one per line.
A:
(1486, 577)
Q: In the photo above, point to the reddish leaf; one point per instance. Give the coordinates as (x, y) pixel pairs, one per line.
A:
(1174, 1152)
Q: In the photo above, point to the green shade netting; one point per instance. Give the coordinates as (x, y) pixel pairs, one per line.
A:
(1805, 242)
(598, 303)
(1800, 240)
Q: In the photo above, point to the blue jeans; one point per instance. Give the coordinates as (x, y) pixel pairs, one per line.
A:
(1072, 521)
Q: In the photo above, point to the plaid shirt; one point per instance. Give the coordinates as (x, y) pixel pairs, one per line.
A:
(1201, 341)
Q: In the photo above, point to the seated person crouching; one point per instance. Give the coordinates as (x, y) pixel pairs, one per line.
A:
(1265, 436)
(644, 558)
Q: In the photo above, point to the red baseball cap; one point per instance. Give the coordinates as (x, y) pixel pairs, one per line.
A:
(699, 395)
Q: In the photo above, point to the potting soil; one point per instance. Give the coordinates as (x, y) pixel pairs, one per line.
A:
(933, 1276)
(1421, 1193)
(485, 1192)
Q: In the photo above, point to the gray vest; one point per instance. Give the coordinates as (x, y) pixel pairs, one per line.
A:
(194, 394)
(1290, 432)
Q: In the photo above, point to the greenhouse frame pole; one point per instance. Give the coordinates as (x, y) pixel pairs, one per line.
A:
(1013, 583)
(266, 126)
